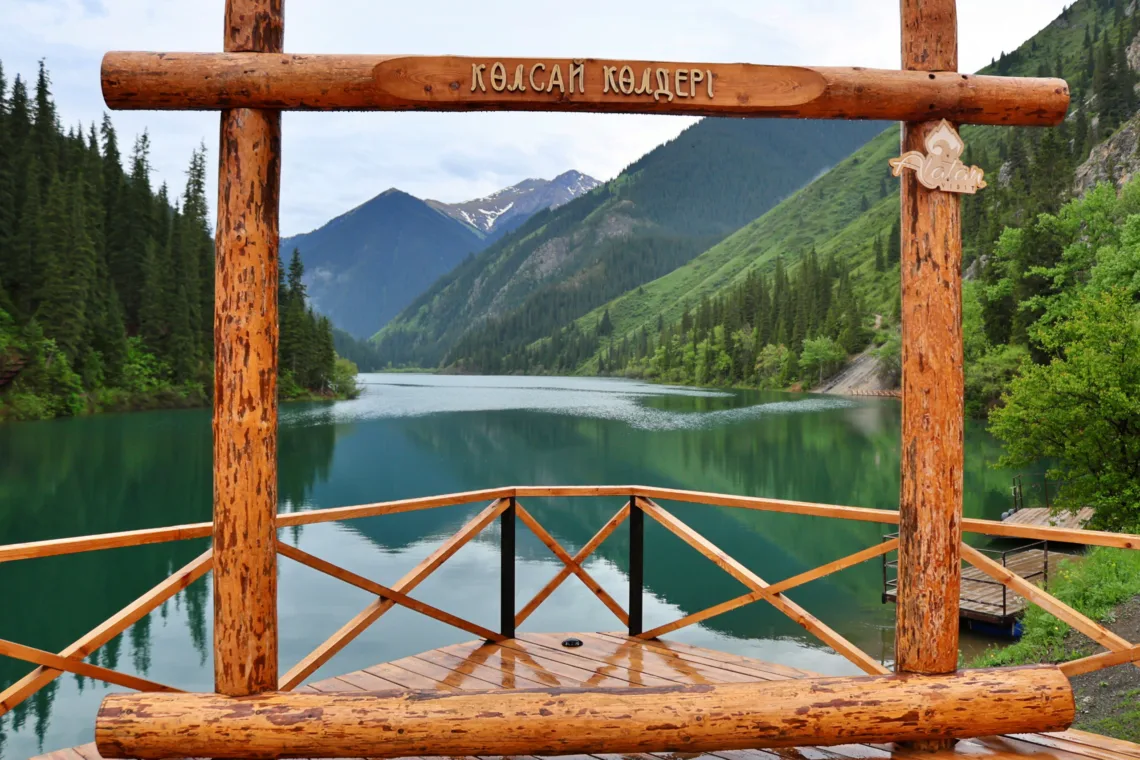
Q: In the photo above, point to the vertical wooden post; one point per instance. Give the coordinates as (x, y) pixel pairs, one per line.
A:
(930, 503)
(636, 567)
(245, 374)
(507, 570)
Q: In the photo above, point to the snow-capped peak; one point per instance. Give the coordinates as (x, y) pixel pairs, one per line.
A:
(510, 207)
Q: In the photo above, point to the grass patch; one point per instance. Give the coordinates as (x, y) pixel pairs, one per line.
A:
(1125, 725)
(1092, 585)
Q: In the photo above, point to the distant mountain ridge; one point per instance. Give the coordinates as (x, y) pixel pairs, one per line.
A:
(666, 208)
(498, 213)
(366, 265)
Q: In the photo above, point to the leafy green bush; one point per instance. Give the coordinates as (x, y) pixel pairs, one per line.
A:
(143, 372)
(24, 406)
(343, 382)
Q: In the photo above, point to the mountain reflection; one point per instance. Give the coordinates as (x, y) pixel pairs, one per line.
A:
(427, 436)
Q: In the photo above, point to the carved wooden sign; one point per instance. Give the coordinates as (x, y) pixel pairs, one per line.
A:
(941, 168)
(618, 85)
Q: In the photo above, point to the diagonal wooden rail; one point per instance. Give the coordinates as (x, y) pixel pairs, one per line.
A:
(774, 589)
(738, 571)
(1055, 607)
(577, 560)
(384, 592)
(78, 667)
(370, 614)
(572, 564)
(107, 630)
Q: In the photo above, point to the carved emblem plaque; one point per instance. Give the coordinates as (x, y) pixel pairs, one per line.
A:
(940, 168)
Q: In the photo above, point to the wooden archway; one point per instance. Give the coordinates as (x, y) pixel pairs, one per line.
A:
(254, 80)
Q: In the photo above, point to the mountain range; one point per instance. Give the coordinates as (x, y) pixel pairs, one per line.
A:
(662, 211)
(366, 265)
(634, 278)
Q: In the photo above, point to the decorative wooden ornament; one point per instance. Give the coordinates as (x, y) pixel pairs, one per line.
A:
(940, 168)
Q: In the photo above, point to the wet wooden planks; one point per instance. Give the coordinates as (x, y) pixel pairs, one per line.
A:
(534, 660)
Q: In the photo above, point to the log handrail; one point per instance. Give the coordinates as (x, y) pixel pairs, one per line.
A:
(562, 721)
(71, 659)
(77, 544)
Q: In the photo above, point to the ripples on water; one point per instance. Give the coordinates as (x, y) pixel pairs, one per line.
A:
(391, 396)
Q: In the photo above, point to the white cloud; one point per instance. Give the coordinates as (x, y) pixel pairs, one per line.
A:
(332, 162)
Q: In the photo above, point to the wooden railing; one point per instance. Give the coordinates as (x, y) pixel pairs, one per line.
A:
(505, 505)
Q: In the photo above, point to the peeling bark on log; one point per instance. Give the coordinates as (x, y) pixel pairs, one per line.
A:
(823, 711)
(206, 81)
(930, 503)
(245, 375)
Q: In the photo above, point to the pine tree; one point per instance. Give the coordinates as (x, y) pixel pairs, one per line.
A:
(45, 129)
(21, 275)
(151, 311)
(67, 261)
(7, 179)
(894, 245)
(130, 261)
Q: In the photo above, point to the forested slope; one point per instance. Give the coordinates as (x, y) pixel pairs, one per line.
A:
(107, 283)
(743, 312)
(664, 209)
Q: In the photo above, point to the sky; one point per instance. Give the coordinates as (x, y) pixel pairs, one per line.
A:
(332, 162)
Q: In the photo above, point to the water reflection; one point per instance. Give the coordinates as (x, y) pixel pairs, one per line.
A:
(411, 436)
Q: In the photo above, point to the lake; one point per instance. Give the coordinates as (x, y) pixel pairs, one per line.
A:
(417, 435)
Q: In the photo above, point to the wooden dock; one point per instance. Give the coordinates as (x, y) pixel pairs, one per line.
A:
(537, 660)
(1042, 516)
(984, 599)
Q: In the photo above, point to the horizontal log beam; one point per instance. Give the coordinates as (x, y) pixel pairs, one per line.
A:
(210, 81)
(692, 719)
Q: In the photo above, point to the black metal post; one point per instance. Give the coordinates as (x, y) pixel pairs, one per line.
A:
(636, 566)
(507, 571)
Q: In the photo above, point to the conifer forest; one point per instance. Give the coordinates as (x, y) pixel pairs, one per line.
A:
(107, 283)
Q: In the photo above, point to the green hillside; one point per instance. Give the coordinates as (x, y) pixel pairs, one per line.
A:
(662, 211)
(848, 217)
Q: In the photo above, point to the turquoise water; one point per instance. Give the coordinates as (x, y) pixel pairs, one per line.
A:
(416, 435)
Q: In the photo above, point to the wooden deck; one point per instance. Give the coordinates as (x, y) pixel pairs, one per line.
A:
(1042, 516)
(981, 596)
(605, 659)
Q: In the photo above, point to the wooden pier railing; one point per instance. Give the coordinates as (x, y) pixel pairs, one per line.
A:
(507, 506)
